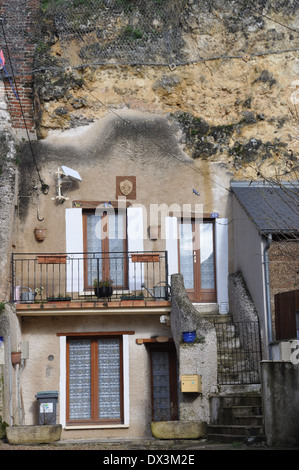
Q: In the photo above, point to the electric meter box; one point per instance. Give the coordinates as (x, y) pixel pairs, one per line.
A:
(191, 383)
(47, 405)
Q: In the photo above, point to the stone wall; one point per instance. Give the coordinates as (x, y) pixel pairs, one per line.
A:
(241, 303)
(8, 196)
(280, 386)
(8, 182)
(196, 358)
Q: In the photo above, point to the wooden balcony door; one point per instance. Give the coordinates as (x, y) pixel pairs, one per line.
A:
(197, 259)
(105, 247)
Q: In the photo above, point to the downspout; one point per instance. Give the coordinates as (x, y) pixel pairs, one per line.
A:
(268, 295)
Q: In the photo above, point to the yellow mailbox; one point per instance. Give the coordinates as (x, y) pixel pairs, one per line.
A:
(191, 383)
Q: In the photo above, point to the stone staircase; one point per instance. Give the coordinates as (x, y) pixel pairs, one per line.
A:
(236, 411)
(237, 417)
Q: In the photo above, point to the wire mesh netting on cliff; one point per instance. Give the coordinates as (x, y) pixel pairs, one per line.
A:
(170, 32)
(124, 31)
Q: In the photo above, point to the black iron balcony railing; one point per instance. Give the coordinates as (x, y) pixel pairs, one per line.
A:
(46, 277)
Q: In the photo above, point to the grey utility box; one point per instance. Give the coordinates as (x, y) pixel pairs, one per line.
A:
(47, 406)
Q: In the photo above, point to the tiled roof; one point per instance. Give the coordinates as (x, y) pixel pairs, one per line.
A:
(272, 208)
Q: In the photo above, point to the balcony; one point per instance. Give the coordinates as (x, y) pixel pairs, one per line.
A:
(74, 280)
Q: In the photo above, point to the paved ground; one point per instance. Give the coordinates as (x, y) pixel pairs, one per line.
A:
(149, 446)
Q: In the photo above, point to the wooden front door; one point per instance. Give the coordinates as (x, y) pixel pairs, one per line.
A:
(163, 382)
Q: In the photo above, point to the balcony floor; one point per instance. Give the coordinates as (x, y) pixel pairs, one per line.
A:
(93, 307)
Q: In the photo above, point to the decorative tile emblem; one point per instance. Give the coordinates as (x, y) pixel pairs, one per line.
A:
(126, 187)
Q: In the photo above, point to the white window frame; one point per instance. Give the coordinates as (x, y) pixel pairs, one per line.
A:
(62, 388)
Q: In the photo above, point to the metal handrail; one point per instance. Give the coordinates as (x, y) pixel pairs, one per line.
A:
(76, 275)
(239, 352)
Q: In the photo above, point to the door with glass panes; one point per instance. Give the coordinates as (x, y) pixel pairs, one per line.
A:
(197, 259)
(163, 382)
(105, 247)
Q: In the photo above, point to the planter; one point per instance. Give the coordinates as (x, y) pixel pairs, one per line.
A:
(145, 258)
(189, 336)
(33, 434)
(59, 299)
(16, 357)
(40, 234)
(179, 429)
(104, 291)
(51, 259)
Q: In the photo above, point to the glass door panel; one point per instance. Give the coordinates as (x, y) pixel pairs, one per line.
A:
(161, 392)
(207, 275)
(94, 245)
(79, 379)
(109, 379)
(105, 244)
(116, 248)
(197, 260)
(186, 255)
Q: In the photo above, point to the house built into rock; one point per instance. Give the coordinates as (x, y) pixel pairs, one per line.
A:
(137, 270)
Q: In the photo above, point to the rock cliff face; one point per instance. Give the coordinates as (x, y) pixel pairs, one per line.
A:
(230, 85)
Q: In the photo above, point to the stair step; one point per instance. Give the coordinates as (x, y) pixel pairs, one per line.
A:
(239, 411)
(239, 378)
(248, 420)
(229, 438)
(238, 417)
(235, 430)
(241, 399)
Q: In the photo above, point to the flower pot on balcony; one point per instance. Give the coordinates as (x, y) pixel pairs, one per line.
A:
(16, 357)
(103, 288)
(104, 291)
(40, 234)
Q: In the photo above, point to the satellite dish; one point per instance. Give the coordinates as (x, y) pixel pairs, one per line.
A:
(72, 173)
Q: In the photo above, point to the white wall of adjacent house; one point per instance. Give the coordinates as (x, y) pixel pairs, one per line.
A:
(250, 261)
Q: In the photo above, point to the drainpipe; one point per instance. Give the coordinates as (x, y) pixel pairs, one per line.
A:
(268, 295)
(10, 382)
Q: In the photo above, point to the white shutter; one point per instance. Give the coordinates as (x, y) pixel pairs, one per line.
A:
(171, 236)
(135, 234)
(74, 249)
(221, 235)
